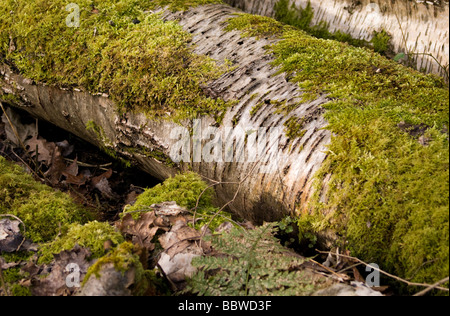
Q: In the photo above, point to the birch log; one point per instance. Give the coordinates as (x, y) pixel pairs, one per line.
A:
(417, 26)
(277, 181)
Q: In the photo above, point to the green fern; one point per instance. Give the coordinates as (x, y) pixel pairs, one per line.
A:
(250, 263)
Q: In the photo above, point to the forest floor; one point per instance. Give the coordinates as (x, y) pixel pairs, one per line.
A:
(105, 186)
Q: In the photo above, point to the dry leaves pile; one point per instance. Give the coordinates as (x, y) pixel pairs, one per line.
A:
(167, 226)
(49, 160)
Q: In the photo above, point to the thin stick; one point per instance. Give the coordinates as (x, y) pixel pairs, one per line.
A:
(431, 287)
(3, 283)
(385, 273)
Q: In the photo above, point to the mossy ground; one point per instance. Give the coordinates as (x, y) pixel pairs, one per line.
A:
(92, 235)
(154, 69)
(44, 211)
(185, 189)
(389, 189)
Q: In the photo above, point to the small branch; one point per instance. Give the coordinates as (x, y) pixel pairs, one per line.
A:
(431, 287)
(388, 274)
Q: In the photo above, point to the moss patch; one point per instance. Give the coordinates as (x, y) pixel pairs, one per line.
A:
(44, 211)
(124, 258)
(184, 189)
(301, 18)
(92, 235)
(142, 62)
(389, 190)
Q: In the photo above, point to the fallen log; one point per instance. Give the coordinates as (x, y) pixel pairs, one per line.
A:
(338, 135)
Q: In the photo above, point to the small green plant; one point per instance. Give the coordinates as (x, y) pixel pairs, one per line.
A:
(251, 263)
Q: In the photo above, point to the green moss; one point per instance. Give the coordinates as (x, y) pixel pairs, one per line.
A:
(44, 211)
(11, 277)
(381, 41)
(124, 257)
(92, 235)
(184, 189)
(255, 25)
(144, 66)
(301, 18)
(181, 5)
(388, 193)
(294, 128)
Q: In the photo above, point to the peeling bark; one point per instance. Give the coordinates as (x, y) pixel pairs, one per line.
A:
(274, 188)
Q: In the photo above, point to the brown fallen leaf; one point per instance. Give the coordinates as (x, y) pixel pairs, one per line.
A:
(58, 281)
(101, 183)
(43, 149)
(57, 166)
(141, 230)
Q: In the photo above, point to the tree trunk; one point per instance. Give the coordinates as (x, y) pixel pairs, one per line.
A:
(278, 180)
(419, 27)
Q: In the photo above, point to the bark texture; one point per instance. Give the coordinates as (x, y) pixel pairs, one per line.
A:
(281, 180)
(415, 25)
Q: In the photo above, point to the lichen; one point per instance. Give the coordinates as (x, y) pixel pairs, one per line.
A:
(92, 235)
(388, 192)
(44, 211)
(143, 63)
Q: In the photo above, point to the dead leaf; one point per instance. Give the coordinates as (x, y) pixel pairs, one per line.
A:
(73, 168)
(57, 166)
(55, 282)
(101, 183)
(43, 149)
(75, 180)
(142, 230)
(168, 209)
(66, 148)
(10, 235)
(24, 131)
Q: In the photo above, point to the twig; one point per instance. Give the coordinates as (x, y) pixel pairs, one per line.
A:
(3, 283)
(83, 164)
(386, 273)
(431, 287)
(339, 276)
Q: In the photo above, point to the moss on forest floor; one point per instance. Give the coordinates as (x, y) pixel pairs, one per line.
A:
(44, 211)
(154, 68)
(389, 186)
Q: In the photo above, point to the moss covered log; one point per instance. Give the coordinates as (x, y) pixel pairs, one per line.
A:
(154, 70)
(365, 139)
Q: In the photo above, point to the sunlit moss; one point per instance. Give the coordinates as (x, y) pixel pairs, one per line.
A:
(388, 191)
(44, 211)
(121, 49)
(185, 189)
(92, 236)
